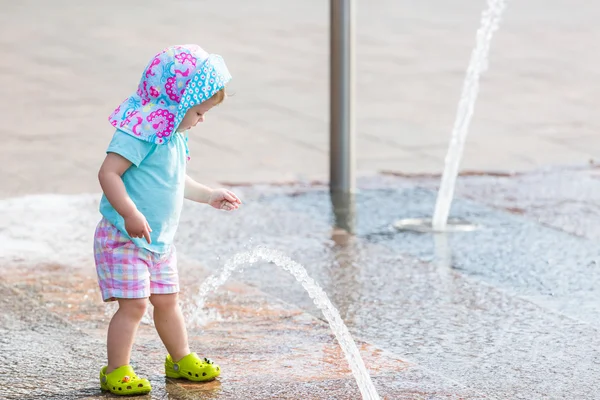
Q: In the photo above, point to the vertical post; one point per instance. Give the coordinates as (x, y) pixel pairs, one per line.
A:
(341, 161)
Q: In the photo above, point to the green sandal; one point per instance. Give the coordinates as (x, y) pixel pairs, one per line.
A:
(193, 368)
(123, 381)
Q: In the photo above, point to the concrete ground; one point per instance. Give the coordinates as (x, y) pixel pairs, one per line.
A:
(507, 312)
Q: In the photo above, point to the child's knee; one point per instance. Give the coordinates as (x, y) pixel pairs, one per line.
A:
(136, 308)
(164, 301)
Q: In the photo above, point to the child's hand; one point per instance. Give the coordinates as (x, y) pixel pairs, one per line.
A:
(223, 199)
(137, 226)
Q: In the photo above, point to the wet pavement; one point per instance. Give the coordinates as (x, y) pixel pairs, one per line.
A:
(271, 349)
(509, 311)
(513, 311)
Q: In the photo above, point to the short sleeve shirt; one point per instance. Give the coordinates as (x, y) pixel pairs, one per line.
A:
(155, 182)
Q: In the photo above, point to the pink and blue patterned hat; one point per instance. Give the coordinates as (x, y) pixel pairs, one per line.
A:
(176, 79)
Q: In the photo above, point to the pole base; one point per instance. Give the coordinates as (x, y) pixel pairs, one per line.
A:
(425, 225)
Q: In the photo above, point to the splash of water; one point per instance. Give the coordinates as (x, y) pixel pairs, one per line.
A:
(316, 293)
(490, 21)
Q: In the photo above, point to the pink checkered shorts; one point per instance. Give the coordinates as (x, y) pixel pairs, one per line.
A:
(126, 271)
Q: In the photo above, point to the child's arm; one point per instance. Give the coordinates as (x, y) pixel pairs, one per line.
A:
(222, 199)
(195, 191)
(113, 167)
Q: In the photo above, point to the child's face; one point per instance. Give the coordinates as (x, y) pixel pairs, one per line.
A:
(195, 115)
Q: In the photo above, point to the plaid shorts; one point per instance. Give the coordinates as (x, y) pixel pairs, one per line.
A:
(126, 271)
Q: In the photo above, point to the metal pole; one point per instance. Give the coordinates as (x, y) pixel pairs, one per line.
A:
(342, 163)
(344, 210)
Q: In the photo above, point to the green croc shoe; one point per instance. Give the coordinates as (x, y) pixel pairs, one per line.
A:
(123, 381)
(193, 368)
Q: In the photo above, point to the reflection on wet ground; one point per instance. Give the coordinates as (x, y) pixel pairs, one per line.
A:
(510, 310)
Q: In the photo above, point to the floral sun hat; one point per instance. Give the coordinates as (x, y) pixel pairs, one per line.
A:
(176, 79)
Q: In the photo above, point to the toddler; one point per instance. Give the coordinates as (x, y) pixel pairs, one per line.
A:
(144, 181)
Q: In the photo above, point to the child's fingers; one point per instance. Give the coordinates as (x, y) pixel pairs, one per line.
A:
(146, 234)
(234, 197)
(230, 197)
(228, 206)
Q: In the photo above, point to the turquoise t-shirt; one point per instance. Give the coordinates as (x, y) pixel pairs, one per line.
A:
(155, 182)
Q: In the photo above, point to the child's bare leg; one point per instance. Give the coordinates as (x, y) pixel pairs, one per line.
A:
(170, 325)
(121, 331)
